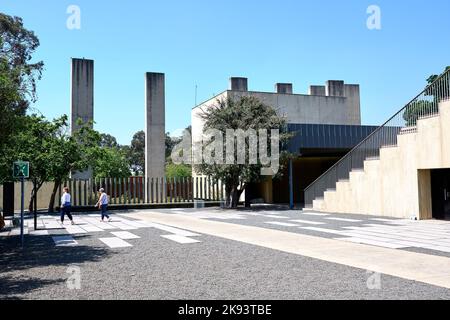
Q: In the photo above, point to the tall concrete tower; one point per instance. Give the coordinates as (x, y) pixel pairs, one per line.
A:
(82, 95)
(155, 125)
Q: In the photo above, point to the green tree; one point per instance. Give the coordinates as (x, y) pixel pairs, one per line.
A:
(170, 143)
(245, 113)
(18, 77)
(423, 107)
(71, 153)
(178, 170)
(111, 162)
(136, 153)
(37, 143)
(108, 141)
(434, 77)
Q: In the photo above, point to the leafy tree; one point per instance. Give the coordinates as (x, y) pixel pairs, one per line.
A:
(108, 141)
(18, 77)
(136, 153)
(426, 107)
(72, 153)
(434, 77)
(178, 171)
(245, 113)
(111, 162)
(170, 142)
(37, 144)
(417, 109)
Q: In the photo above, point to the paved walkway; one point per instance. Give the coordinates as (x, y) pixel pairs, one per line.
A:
(114, 234)
(426, 268)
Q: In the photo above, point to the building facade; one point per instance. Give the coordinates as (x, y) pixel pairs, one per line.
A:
(326, 124)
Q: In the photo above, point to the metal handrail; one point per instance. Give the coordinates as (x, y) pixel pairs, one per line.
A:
(385, 135)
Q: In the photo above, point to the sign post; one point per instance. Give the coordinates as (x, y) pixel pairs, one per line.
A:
(21, 170)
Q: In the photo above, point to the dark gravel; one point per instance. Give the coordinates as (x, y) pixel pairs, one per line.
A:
(157, 268)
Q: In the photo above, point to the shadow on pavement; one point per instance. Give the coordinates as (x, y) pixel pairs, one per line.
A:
(39, 252)
(12, 288)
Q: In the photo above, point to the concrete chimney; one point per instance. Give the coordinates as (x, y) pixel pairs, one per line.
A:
(335, 88)
(238, 84)
(284, 88)
(316, 90)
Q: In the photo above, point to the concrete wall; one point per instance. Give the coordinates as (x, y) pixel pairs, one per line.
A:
(309, 109)
(335, 103)
(398, 184)
(155, 125)
(43, 195)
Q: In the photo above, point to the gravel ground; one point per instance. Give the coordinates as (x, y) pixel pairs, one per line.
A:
(157, 268)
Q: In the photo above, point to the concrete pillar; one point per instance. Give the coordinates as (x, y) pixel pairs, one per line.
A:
(238, 84)
(155, 126)
(334, 88)
(284, 88)
(82, 104)
(316, 90)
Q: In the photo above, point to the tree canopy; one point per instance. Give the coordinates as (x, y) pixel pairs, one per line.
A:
(18, 77)
(241, 114)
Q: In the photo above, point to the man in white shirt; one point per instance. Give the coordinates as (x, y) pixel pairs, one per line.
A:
(66, 205)
(102, 204)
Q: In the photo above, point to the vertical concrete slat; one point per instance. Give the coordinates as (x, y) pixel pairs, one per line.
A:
(156, 190)
(115, 190)
(151, 190)
(175, 190)
(85, 193)
(165, 190)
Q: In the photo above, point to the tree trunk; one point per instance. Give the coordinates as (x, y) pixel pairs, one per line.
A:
(228, 197)
(33, 195)
(36, 187)
(51, 204)
(234, 198)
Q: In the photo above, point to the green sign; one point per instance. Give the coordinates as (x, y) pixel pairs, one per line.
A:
(21, 169)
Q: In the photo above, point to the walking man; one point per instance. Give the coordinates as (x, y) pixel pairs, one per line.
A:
(66, 205)
(102, 204)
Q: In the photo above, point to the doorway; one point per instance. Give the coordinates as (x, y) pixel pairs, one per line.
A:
(440, 192)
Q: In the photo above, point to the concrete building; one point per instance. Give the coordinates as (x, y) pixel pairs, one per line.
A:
(402, 170)
(328, 113)
(155, 158)
(82, 100)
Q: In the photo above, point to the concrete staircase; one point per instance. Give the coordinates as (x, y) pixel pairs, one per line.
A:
(397, 183)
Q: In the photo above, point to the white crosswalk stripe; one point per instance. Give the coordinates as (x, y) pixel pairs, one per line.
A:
(64, 241)
(283, 224)
(180, 239)
(308, 222)
(115, 242)
(125, 235)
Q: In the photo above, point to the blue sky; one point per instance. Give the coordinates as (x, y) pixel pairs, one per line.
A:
(204, 42)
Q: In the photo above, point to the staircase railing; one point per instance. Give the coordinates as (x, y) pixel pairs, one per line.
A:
(424, 105)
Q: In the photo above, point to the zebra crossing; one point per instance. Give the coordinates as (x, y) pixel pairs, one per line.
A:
(118, 231)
